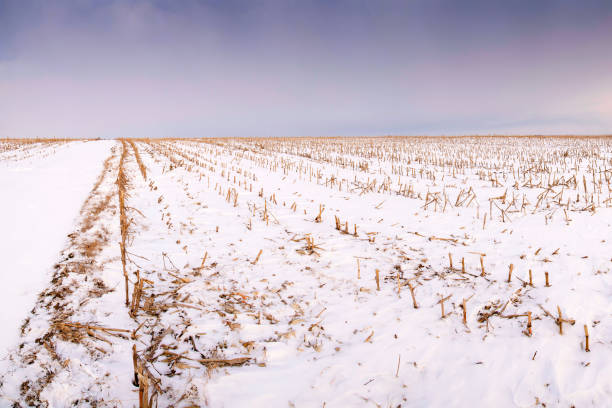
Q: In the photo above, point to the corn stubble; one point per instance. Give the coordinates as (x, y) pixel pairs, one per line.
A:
(430, 172)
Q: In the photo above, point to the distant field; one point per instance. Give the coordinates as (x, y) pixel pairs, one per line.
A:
(311, 272)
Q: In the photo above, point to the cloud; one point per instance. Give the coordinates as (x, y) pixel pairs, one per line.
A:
(192, 68)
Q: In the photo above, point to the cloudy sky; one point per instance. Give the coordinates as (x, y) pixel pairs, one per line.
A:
(93, 68)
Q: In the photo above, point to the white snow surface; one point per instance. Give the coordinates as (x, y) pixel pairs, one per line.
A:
(43, 189)
(316, 333)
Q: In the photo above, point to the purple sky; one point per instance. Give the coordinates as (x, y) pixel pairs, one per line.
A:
(93, 68)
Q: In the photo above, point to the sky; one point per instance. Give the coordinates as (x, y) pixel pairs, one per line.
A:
(93, 68)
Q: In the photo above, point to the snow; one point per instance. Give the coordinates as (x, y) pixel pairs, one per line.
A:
(316, 333)
(42, 192)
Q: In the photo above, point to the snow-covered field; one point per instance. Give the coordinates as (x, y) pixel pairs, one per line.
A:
(43, 189)
(413, 272)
